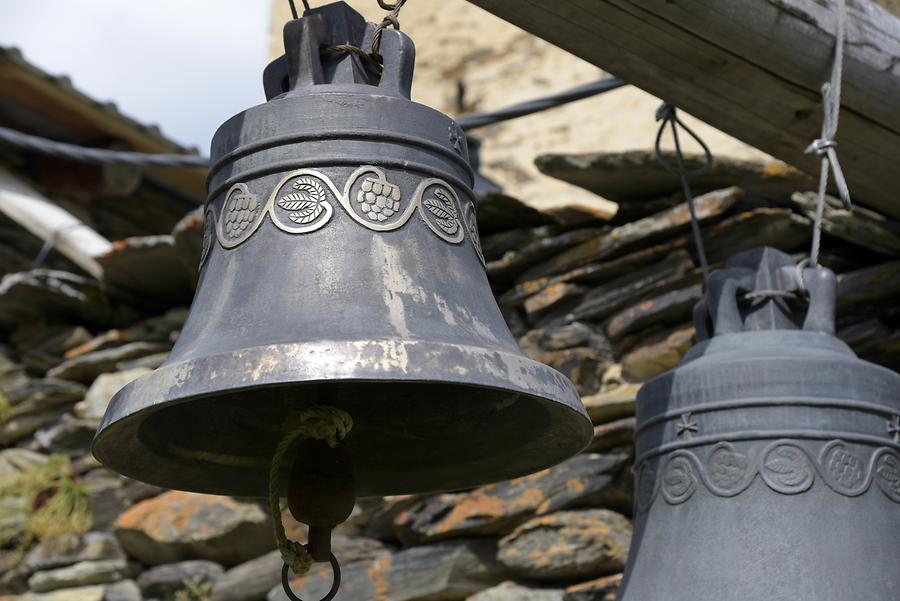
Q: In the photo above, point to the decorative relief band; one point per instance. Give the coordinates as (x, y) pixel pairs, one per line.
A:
(299, 203)
(206, 243)
(786, 466)
(302, 202)
(472, 224)
(241, 215)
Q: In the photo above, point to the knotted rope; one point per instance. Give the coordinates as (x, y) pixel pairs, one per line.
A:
(320, 422)
(825, 146)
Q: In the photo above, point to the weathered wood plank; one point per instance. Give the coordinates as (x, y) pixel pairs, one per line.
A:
(751, 69)
(49, 222)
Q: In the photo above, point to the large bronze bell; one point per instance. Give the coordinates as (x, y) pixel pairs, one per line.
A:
(341, 266)
(767, 462)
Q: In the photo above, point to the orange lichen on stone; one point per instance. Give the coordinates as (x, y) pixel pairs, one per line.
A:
(481, 503)
(381, 586)
(777, 169)
(164, 516)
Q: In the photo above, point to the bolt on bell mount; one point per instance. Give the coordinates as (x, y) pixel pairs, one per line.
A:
(341, 268)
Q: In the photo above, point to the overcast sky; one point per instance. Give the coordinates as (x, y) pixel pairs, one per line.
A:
(186, 65)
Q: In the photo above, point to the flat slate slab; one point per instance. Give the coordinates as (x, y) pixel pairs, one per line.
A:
(613, 296)
(498, 508)
(84, 368)
(31, 295)
(627, 177)
(513, 262)
(448, 571)
(499, 212)
(860, 225)
(658, 353)
(188, 237)
(568, 545)
(674, 306)
(778, 228)
(599, 589)
(868, 287)
(148, 271)
(613, 404)
(637, 234)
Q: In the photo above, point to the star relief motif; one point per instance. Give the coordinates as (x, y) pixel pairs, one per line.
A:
(456, 137)
(893, 428)
(686, 426)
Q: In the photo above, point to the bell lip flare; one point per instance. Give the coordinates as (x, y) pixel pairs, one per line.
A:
(545, 403)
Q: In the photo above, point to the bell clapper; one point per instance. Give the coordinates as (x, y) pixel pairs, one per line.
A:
(321, 492)
(320, 495)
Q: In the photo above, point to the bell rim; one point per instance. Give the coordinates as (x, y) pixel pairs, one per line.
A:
(132, 405)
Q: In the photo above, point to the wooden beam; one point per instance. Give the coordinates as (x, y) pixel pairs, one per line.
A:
(87, 121)
(752, 68)
(46, 220)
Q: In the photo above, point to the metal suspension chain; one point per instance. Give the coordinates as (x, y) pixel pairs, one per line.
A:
(667, 114)
(825, 146)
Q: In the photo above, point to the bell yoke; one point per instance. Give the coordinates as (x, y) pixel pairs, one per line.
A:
(341, 267)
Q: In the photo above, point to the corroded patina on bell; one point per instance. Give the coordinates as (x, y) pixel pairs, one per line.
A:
(768, 461)
(341, 266)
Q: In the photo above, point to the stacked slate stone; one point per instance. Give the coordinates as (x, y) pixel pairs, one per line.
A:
(608, 303)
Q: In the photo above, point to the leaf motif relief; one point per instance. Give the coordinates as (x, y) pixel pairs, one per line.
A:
(438, 209)
(444, 211)
(311, 188)
(787, 470)
(306, 203)
(297, 202)
(678, 480)
(304, 218)
(888, 471)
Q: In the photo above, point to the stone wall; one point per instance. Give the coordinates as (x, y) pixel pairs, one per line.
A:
(606, 303)
(497, 64)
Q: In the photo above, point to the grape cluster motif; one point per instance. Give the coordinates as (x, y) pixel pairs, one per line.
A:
(240, 213)
(378, 198)
(726, 467)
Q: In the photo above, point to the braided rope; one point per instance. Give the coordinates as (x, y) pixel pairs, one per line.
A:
(319, 422)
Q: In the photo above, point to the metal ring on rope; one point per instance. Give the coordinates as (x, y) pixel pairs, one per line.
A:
(335, 585)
